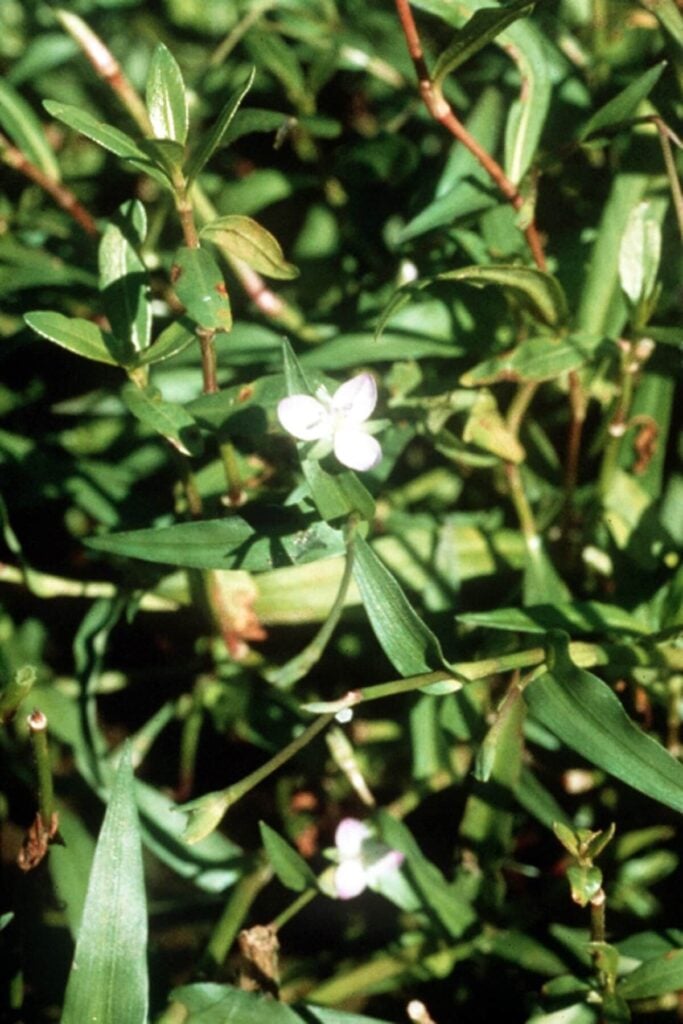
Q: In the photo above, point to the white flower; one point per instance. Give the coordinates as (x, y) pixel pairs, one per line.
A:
(361, 862)
(337, 419)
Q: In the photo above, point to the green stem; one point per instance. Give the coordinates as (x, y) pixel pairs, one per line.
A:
(37, 723)
(189, 743)
(232, 473)
(525, 515)
(207, 812)
(519, 405)
(233, 916)
(238, 789)
(293, 909)
(665, 135)
(15, 692)
(297, 668)
(584, 655)
(615, 431)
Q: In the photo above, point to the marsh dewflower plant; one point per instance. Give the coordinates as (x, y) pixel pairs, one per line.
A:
(361, 858)
(338, 421)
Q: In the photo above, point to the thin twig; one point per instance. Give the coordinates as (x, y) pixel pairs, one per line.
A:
(666, 137)
(62, 195)
(441, 111)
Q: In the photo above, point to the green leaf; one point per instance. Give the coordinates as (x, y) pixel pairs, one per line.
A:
(622, 106)
(162, 160)
(217, 135)
(482, 27)
(25, 130)
(408, 643)
(464, 187)
(172, 340)
(245, 409)
(82, 337)
(270, 51)
(199, 284)
(639, 253)
(169, 419)
(245, 239)
(210, 1003)
(577, 617)
(585, 714)
(447, 906)
(104, 135)
(536, 359)
(662, 974)
(230, 543)
(212, 865)
(123, 277)
(540, 290)
(108, 979)
(486, 428)
(602, 308)
(290, 868)
(166, 97)
(529, 49)
(254, 120)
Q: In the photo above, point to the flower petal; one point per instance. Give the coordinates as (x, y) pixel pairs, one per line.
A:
(304, 417)
(355, 399)
(350, 836)
(349, 879)
(357, 449)
(391, 861)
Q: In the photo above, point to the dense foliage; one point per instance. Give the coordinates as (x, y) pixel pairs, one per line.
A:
(341, 511)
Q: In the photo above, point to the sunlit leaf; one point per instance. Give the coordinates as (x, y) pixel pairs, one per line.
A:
(622, 106)
(108, 978)
(586, 715)
(212, 139)
(289, 866)
(166, 98)
(199, 285)
(25, 130)
(248, 241)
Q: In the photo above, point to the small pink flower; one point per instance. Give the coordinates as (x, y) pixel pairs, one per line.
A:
(358, 869)
(338, 419)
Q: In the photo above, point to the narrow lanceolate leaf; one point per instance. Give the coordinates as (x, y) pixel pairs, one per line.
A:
(104, 135)
(639, 253)
(210, 1003)
(169, 419)
(483, 26)
(585, 714)
(288, 865)
(536, 359)
(486, 428)
(213, 139)
(25, 130)
(409, 644)
(108, 979)
(199, 284)
(123, 277)
(166, 97)
(246, 240)
(624, 105)
(172, 340)
(542, 291)
(230, 543)
(80, 336)
(661, 974)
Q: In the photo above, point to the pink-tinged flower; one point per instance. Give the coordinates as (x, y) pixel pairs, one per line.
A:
(362, 859)
(338, 419)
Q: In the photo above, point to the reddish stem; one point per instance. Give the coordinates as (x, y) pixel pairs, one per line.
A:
(441, 111)
(63, 196)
